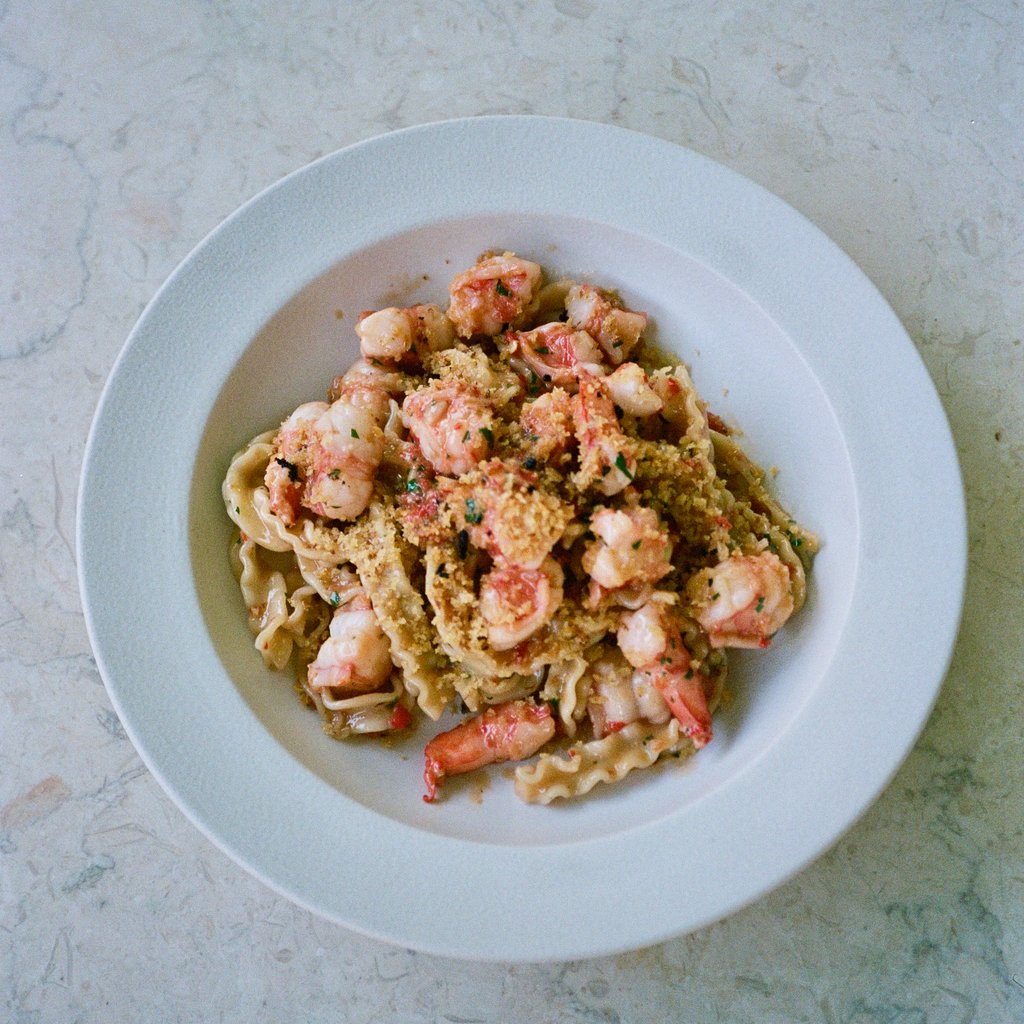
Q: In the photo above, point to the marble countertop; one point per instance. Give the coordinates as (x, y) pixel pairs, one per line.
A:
(129, 130)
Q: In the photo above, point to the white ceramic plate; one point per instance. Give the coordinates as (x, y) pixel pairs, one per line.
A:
(785, 337)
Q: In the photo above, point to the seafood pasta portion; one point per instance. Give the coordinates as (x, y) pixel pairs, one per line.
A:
(510, 510)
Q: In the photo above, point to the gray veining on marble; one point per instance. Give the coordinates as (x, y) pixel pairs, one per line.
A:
(129, 130)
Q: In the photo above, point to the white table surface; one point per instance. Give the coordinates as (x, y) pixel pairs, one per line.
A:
(129, 130)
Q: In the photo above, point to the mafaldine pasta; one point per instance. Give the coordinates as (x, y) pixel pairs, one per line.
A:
(512, 511)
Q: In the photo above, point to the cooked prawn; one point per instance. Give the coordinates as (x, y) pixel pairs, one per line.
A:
(284, 479)
(326, 457)
(615, 329)
(507, 732)
(508, 516)
(620, 695)
(369, 386)
(606, 456)
(356, 656)
(631, 391)
(557, 354)
(452, 423)
(651, 641)
(547, 424)
(515, 601)
(347, 450)
(497, 292)
(632, 546)
(391, 333)
(743, 600)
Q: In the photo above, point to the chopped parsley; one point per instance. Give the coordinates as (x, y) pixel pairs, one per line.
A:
(542, 350)
(413, 485)
(488, 435)
(473, 514)
(500, 288)
(334, 474)
(636, 544)
(335, 599)
(355, 433)
(620, 465)
(760, 604)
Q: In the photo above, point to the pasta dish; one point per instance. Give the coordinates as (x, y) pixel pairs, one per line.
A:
(511, 511)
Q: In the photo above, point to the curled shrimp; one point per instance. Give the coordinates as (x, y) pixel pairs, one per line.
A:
(620, 695)
(632, 547)
(515, 601)
(347, 450)
(547, 424)
(504, 513)
(391, 333)
(652, 643)
(498, 291)
(452, 423)
(284, 479)
(606, 458)
(369, 386)
(743, 600)
(557, 354)
(507, 732)
(631, 391)
(356, 656)
(674, 388)
(615, 329)
(325, 459)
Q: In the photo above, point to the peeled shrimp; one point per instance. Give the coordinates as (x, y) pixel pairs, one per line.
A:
(631, 391)
(347, 450)
(507, 732)
(606, 458)
(619, 695)
(548, 425)
(497, 292)
(631, 547)
(452, 423)
(557, 354)
(515, 602)
(368, 386)
(356, 656)
(326, 458)
(509, 517)
(742, 601)
(615, 329)
(391, 333)
(652, 643)
(284, 479)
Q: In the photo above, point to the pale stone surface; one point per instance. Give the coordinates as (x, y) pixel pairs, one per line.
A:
(130, 130)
